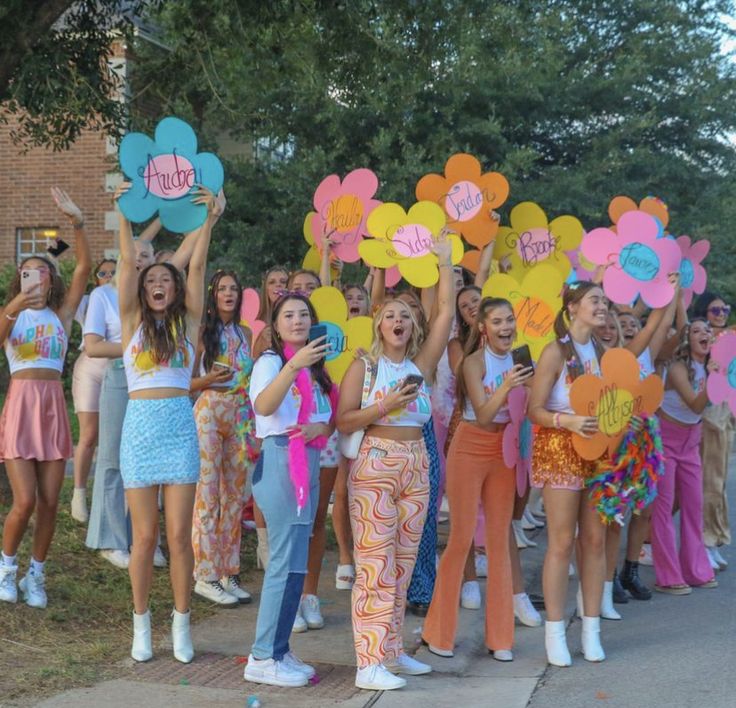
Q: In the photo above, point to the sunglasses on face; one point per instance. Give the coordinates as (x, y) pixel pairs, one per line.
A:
(718, 311)
(105, 273)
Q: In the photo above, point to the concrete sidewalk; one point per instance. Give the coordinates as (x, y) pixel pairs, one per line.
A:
(471, 678)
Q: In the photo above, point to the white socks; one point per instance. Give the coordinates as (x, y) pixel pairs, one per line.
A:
(10, 561)
(37, 566)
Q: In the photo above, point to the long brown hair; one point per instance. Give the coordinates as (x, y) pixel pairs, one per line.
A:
(164, 338)
(57, 291)
(572, 295)
(683, 353)
(264, 311)
(213, 325)
(463, 328)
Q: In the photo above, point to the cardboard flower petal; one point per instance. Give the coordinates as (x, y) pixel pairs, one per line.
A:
(249, 312)
(342, 208)
(405, 240)
(638, 261)
(163, 173)
(582, 268)
(613, 398)
(531, 240)
(344, 335)
(536, 302)
(467, 197)
(517, 439)
(693, 277)
(721, 385)
(653, 206)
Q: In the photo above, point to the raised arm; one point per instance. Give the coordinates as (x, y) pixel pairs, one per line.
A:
(182, 256)
(127, 275)
(486, 256)
(151, 231)
(378, 288)
(198, 262)
(82, 254)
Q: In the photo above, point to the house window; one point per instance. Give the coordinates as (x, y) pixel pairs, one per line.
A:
(32, 241)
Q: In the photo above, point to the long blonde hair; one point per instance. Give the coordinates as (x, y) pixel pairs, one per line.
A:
(415, 342)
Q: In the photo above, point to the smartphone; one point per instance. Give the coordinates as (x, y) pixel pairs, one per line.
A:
(317, 331)
(221, 365)
(29, 279)
(522, 355)
(413, 380)
(58, 248)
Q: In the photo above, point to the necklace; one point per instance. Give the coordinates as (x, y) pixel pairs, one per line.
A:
(394, 365)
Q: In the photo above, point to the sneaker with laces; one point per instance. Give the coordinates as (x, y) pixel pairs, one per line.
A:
(300, 624)
(32, 586)
(310, 612)
(470, 595)
(525, 612)
(120, 559)
(213, 591)
(231, 583)
(159, 559)
(8, 588)
(377, 677)
(645, 555)
(274, 673)
(295, 662)
(481, 565)
(405, 664)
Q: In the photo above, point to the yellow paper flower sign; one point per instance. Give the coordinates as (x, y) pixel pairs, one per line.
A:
(313, 258)
(532, 240)
(344, 335)
(536, 302)
(405, 240)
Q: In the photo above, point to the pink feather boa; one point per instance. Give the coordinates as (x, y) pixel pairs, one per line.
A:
(298, 461)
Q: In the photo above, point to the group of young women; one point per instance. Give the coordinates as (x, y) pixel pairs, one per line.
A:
(440, 370)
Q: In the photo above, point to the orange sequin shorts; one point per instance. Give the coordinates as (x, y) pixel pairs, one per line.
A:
(555, 463)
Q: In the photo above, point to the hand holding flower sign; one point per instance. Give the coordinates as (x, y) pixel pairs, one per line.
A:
(517, 438)
(693, 277)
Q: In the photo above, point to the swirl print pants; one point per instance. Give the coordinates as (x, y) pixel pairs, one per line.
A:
(388, 491)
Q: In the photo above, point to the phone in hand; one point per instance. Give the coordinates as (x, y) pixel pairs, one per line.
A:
(522, 355)
(29, 279)
(316, 331)
(413, 380)
(221, 365)
(58, 248)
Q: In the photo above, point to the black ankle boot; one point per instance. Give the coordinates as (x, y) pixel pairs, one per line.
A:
(620, 597)
(630, 580)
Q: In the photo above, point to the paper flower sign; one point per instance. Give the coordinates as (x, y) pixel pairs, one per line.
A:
(517, 439)
(467, 197)
(344, 335)
(721, 384)
(613, 398)
(693, 277)
(249, 312)
(342, 208)
(638, 261)
(531, 240)
(163, 173)
(536, 302)
(653, 206)
(406, 239)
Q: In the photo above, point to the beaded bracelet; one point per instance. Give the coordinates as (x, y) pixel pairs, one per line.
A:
(10, 317)
(556, 421)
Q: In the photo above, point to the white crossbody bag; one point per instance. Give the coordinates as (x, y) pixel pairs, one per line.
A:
(349, 445)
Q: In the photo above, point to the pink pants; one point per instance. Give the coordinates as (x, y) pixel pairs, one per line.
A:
(683, 476)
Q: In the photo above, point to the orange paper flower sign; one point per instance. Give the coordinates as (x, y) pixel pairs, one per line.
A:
(613, 398)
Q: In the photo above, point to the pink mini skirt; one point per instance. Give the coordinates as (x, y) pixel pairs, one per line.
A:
(34, 424)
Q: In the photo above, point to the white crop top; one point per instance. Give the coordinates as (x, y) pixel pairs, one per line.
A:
(265, 370)
(142, 372)
(675, 407)
(414, 415)
(646, 367)
(559, 396)
(38, 340)
(234, 351)
(103, 314)
(497, 369)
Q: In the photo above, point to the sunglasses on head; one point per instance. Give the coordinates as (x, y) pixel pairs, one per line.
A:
(105, 273)
(718, 311)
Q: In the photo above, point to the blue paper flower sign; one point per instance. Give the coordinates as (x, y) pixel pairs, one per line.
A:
(163, 173)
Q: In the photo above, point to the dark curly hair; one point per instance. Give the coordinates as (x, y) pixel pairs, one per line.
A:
(57, 292)
(213, 325)
(164, 338)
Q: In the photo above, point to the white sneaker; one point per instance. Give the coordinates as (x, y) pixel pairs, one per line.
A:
(274, 673)
(444, 653)
(377, 677)
(405, 664)
(711, 559)
(645, 555)
(481, 565)
(722, 562)
(521, 539)
(295, 662)
(34, 592)
(231, 583)
(503, 654)
(525, 612)
(213, 591)
(300, 624)
(309, 608)
(120, 559)
(159, 559)
(79, 505)
(8, 588)
(470, 595)
(531, 519)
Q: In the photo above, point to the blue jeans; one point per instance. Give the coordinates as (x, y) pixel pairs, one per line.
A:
(288, 544)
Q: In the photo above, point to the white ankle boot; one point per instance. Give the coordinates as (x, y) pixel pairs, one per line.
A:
(141, 650)
(591, 639)
(555, 643)
(180, 637)
(608, 611)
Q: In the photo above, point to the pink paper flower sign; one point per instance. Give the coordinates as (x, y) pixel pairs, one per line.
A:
(517, 439)
(249, 312)
(721, 384)
(638, 262)
(693, 277)
(342, 208)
